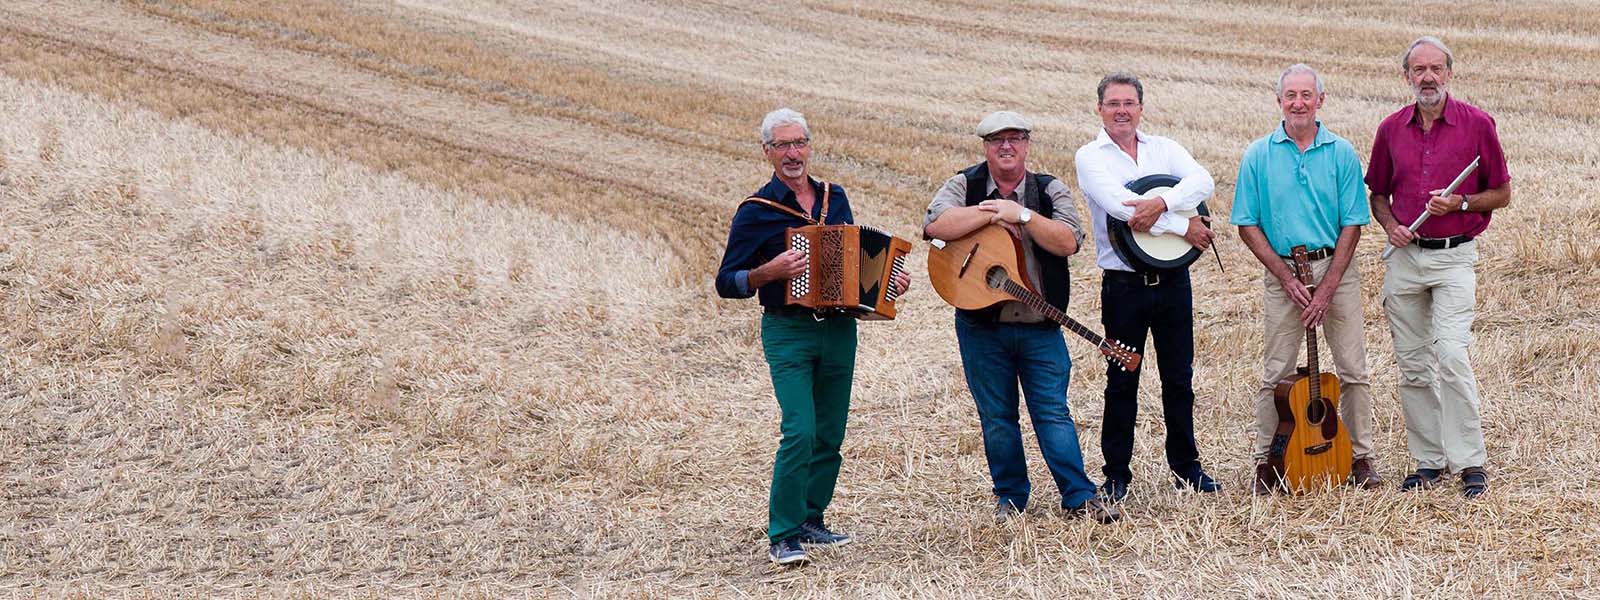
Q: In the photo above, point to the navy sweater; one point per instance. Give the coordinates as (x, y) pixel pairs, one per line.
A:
(756, 236)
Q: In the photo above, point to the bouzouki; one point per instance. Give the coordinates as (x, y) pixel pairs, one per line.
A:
(1311, 447)
(985, 268)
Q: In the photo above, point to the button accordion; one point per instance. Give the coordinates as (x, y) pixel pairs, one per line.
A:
(850, 268)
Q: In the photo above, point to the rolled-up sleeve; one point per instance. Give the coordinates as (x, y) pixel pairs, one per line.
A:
(1064, 209)
(1195, 183)
(953, 194)
(733, 277)
(1495, 172)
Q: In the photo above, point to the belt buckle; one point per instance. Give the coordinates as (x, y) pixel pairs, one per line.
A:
(1151, 279)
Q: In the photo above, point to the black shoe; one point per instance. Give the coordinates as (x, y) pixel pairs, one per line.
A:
(1097, 509)
(1422, 479)
(1114, 490)
(788, 552)
(1198, 481)
(1474, 482)
(817, 534)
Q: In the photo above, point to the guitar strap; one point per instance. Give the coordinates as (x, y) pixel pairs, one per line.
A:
(822, 217)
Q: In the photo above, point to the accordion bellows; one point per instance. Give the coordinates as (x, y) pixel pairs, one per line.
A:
(850, 268)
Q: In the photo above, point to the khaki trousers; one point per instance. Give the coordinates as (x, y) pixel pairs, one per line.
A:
(1429, 297)
(1342, 334)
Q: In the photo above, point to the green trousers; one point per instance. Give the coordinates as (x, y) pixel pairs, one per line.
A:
(812, 364)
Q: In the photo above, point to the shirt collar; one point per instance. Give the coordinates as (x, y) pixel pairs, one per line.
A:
(1104, 138)
(1022, 186)
(1281, 135)
(1450, 115)
(779, 191)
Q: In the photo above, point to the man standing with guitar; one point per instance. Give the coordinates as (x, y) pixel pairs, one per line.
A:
(1430, 289)
(1301, 186)
(811, 356)
(1013, 343)
(1156, 301)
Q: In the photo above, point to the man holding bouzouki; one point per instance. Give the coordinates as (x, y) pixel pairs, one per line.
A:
(1429, 287)
(1014, 342)
(810, 354)
(1299, 191)
(1144, 298)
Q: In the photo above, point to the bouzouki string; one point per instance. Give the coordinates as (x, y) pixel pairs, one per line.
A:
(1034, 300)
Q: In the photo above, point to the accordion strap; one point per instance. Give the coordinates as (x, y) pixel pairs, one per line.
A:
(797, 214)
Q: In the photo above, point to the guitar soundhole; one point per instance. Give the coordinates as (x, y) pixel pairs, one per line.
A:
(996, 277)
(1316, 410)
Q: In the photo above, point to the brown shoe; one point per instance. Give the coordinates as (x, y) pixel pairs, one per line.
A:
(1097, 509)
(1266, 482)
(1363, 476)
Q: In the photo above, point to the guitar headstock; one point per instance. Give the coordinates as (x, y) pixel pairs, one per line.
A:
(1302, 265)
(1120, 354)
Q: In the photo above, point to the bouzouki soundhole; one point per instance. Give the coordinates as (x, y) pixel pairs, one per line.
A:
(996, 277)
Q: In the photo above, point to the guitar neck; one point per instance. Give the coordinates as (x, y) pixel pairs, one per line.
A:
(1314, 373)
(1034, 300)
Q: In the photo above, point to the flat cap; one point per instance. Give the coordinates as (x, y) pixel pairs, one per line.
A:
(1000, 121)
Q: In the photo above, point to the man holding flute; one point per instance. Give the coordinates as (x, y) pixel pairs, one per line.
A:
(1429, 287)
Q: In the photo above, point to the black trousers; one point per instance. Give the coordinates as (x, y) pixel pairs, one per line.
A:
(1130, 308)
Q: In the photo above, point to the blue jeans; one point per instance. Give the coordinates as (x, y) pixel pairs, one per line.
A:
(996, 357)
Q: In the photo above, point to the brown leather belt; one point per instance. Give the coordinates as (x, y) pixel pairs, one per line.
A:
(1318, 254)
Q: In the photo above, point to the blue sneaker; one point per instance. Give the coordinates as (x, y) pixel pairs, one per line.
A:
(788, 552)
(817, 534)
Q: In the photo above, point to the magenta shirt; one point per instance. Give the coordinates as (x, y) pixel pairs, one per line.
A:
(1408, 163)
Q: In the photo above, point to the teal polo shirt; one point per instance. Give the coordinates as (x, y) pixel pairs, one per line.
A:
(1300, 198)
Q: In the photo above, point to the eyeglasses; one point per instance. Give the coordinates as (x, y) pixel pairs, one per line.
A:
(1119, 105)
(1014, 140)
(784, 146)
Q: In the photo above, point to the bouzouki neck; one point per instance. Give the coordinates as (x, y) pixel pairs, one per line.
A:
(1122, 355)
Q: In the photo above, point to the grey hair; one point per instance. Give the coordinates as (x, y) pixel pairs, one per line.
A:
(1449, 57)
(1299, 69)
(779, 118)
(1119, 78)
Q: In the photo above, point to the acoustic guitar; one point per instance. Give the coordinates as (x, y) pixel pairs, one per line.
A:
(1311, 447)
(985, 268)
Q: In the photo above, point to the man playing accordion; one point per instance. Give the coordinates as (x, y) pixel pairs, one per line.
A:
(810, 355)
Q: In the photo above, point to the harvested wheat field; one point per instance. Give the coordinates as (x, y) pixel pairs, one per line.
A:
(369, 299)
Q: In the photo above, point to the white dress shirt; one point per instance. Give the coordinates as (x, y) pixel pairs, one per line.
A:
(1104, 169)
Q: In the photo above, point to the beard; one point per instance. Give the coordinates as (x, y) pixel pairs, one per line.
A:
(1429, 97)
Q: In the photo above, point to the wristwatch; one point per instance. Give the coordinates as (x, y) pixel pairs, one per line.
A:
(1024, 216)
(1463, 203)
